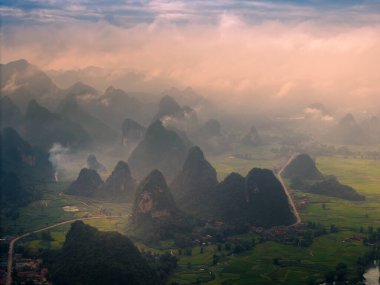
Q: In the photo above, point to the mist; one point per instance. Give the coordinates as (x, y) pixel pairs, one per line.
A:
(58, 159)
(183, 139)
(270, 65)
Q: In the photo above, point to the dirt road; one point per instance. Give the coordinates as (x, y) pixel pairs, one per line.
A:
(14, 240)
(294, 208)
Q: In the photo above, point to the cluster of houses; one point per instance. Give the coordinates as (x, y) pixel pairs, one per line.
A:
(284, 234)
(280, 233)
(26, 270)
(29, 269)
(302, 202)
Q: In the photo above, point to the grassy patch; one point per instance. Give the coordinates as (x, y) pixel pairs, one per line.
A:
(364, 176)
(295, 264)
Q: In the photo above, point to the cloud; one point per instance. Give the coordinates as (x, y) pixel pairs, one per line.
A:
(273, 52)
(127, 13)
(285, 89)
(317, 114)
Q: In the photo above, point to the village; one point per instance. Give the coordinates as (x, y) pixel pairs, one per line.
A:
(26, 270)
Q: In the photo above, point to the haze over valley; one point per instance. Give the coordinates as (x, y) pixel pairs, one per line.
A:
(177, 142)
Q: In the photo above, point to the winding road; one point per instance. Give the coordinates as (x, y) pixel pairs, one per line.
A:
(14, 240)
(292, 204)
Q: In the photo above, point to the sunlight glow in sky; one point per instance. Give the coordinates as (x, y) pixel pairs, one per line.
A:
(236, 49)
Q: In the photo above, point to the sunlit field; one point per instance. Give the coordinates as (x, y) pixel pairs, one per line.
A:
(184, 142)
(296, 265)
(364, 176)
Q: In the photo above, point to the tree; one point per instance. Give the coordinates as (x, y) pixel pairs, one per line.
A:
(215, 259)
(311, 281)
(46, 236)
(238, 248)
(330, 277)
(341, 271)
(188, 252)
(333, 229)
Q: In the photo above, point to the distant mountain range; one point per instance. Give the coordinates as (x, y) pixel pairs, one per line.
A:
(23, 82)
(83, 113)
(350, 131)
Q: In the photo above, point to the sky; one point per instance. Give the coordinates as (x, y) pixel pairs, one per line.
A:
(272, 51)
(128, 13)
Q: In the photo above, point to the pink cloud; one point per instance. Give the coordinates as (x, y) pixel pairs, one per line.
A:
(232, 60)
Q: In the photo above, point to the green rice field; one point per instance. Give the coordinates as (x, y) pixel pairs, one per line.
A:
(296, 265)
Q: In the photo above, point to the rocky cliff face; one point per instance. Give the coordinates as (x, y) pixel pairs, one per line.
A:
(10, 113)
(160, 149)
(168, 107)
(155, 215)
(348, 131)
(258, 199)
(211, 138)
(194, 184)
(87, 184)
(101, 133)
(302, 167)
(94, 164)
(44, 128)
(230, 200)
(120, 185)
(22, 167)
(132, 132)
(267, 202)
(153, 199)
(18, 156)
(173, 116)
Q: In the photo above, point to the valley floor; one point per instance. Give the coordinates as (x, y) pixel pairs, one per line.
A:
(268, 262)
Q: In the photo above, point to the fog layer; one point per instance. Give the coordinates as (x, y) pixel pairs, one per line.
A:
(267, 64)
